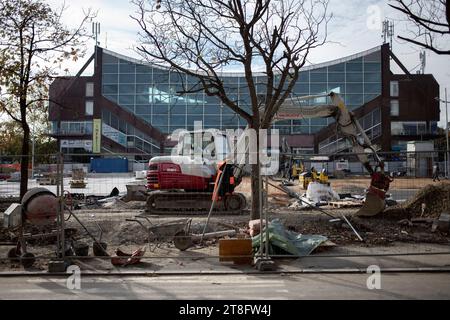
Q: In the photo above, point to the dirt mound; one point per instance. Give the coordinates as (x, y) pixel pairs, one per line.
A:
(429, 202)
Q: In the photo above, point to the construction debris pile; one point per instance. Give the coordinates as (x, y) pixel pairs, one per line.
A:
(429, 202)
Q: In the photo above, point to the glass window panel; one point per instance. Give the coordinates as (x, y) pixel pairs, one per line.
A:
(372, 88)
(336, 87)
(142, 89)
(177, 77)
(354, 77)
(143, 109)
(319, 122)
(303, 122)
(377, 117)
(213, 121)
(195, 109)
(143, 69)
(354, 67)
(318, 88)
(303, 76)
(143, 99)
(110, 78)
(161, 77)
(160, 120)
(178, 120)
(110, 68)
(336, 77)
(394, 89)
(114, 121)
(127, 78)
(230, 120)
(354, 99)
(372, 67)
(301, 87)
(372, 77)
(89, 108)
(354, 88)
(318, 77)
(178, 109)
(144, 78)
(126, 99)
(160, 109)
(395, 108)
(337, 68)
(110, 89)
(192, 118)
(127, 68)
(300, 129)
(127, 89)
(213, 109)
(109, 58)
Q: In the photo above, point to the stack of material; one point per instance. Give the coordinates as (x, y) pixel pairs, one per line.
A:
(47, 179)
(77, 181)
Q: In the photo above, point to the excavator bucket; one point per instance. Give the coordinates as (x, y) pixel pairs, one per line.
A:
(375, 202)
(373, 205)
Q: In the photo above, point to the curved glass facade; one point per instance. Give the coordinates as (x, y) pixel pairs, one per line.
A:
(150, 92)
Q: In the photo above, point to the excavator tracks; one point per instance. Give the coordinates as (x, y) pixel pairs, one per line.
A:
(193, 203)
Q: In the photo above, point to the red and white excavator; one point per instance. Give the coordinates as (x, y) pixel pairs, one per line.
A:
(185, 183)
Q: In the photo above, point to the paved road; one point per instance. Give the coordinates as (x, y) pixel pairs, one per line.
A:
(236, 287)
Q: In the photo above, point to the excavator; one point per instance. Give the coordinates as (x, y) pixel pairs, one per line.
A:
(182, 184)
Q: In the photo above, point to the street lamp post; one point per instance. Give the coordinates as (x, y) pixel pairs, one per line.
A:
(447, 151)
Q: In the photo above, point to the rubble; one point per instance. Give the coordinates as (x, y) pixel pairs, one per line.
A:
(429, 202)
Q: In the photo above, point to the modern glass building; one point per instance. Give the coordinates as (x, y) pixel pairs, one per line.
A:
(136, 105)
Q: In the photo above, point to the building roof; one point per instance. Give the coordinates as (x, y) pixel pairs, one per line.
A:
(238, 74)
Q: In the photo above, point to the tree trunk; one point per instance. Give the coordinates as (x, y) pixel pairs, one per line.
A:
(25, 160)
(256, 192)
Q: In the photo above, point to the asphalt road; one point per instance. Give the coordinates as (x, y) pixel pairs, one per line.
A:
(236, 287)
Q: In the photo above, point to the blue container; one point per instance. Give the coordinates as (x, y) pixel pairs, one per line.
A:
(109, 165)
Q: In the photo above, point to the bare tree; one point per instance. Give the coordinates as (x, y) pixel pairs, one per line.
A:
(202, 37)
(33, 44)
(431, 23)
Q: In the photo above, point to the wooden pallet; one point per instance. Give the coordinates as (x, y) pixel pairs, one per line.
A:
(345, 204)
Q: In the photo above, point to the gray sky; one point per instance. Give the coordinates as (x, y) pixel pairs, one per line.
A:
(351, 30)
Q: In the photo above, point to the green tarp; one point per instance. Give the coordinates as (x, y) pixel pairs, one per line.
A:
(282, 241)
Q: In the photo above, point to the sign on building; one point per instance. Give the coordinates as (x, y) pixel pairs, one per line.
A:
(97, 136)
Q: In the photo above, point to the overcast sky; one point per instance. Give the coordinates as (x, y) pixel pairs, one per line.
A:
(351, 31)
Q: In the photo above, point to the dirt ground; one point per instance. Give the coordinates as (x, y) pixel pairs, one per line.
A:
(114, 229)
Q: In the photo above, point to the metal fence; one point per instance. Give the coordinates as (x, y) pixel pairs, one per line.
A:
(110, 208)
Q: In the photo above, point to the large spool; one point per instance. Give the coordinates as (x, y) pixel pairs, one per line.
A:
(40, 206)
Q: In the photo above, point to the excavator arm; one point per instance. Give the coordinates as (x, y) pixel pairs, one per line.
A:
(348, 127)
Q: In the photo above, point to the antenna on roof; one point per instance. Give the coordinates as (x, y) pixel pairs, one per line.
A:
(423, 61)
(96, 32)
(388, 32)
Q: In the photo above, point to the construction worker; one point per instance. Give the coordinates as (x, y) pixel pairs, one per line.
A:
(436, 172)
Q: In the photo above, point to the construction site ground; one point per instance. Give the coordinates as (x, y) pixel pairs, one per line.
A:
(383, 235)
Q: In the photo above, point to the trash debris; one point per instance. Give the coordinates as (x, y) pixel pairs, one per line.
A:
(318, 192)
(123, 259)
(282, 241)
